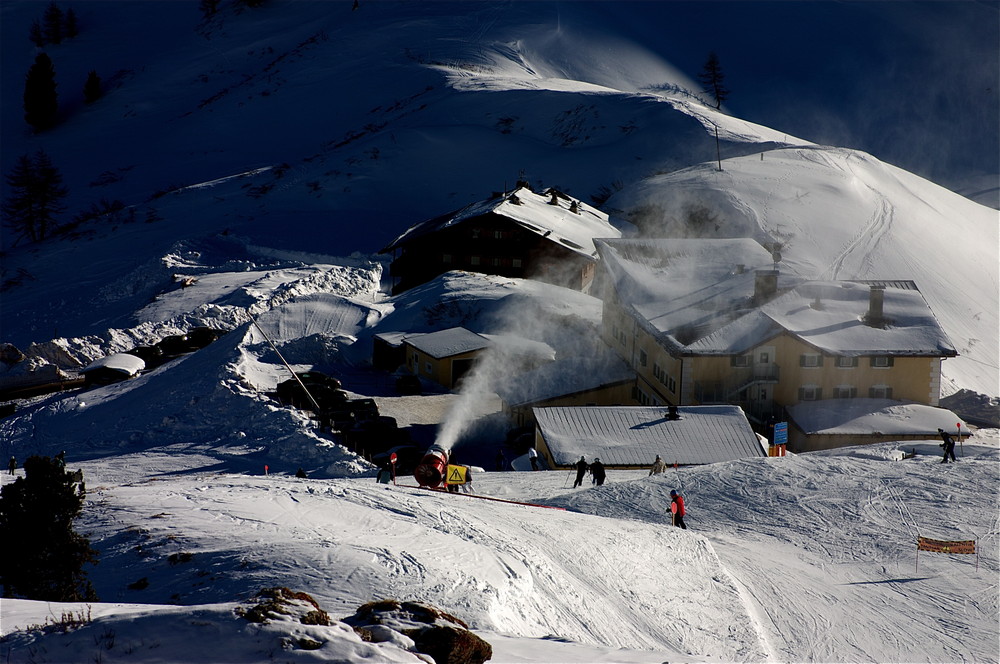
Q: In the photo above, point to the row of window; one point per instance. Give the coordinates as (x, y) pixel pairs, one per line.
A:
(815, 393)
(816, 360)
(477, 233)
(666, 379)
(502, 261)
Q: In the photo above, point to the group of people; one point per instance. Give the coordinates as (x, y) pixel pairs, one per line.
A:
(597, 472)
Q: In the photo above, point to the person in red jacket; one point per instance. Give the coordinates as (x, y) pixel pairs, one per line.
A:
(677, 508)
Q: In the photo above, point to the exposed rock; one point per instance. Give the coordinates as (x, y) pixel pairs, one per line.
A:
(433, 632)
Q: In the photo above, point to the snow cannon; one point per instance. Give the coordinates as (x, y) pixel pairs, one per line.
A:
(432, 468)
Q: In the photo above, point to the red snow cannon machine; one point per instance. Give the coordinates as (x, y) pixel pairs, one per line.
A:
(432, 468)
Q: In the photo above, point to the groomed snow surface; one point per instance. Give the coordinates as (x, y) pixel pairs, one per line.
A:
(801, 558)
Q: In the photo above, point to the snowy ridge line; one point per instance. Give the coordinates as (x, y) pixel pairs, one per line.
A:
(211, 183)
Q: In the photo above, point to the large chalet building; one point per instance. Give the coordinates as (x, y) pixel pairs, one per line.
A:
(545, 236)
(714, 322)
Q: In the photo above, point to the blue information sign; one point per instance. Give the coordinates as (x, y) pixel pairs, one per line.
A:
(781, 433)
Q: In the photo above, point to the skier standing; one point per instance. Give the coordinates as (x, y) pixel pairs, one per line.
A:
(948, 445)
(581, 470)
(658, 466)
(677, 508)
(597, 470)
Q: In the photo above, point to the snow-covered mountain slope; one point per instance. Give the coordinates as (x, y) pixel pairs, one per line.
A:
(842, 214)
(310, 128)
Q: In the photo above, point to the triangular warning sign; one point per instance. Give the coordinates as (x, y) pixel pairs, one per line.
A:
(456, 475)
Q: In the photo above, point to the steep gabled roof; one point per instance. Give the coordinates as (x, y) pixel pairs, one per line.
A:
(633, 436)
(575, 231)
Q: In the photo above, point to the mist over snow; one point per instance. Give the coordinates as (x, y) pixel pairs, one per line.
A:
(262, 157)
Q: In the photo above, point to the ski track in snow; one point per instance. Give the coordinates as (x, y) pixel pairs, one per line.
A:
(866, 241)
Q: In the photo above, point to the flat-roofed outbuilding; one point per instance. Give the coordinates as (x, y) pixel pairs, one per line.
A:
(632, 437)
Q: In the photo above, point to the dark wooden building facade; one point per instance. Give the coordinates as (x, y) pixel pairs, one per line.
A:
(521, 234)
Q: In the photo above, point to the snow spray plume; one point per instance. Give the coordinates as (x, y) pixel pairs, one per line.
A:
(528, 330)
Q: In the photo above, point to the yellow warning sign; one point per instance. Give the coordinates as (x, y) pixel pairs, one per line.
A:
(456, 475)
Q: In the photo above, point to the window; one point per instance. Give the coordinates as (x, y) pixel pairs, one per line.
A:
(427, 367)
(740, 360)
(446, 258)
(845, 392)
(516, 262)
(810, 360)
(765, 358)
(810, 393)
(475, 233)
(880, 392)
(474, 260)
(882, 361)
(643, 359)
(657, 372)
(847, 362)
(495, 262)
(671, 384)
(621, 338)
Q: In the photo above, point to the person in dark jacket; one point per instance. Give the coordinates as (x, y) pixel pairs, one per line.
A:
(677, 509)
(11, 465)
(948, 445)
(597, 470)
(581, 470)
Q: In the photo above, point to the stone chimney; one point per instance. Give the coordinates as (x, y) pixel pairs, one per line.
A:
(765, 285)
(876, 307)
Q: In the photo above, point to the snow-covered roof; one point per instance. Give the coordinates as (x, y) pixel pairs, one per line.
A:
(562, 378)
(447, 343)
(634, 435)
(699, 295)
(869, 416)
(575, 231)
(684, 284)
(831, 316)
(129, 365)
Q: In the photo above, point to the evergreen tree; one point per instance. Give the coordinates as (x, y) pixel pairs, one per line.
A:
(40, 101)
(71, 27)
(35, 199)
(42, 557)
(36, 35)
(713, 80)
(52, 20)
(92, 88)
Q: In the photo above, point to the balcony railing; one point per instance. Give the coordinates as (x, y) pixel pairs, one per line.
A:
(729, 390)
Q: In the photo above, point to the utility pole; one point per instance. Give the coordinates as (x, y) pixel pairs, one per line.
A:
(718, 151)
